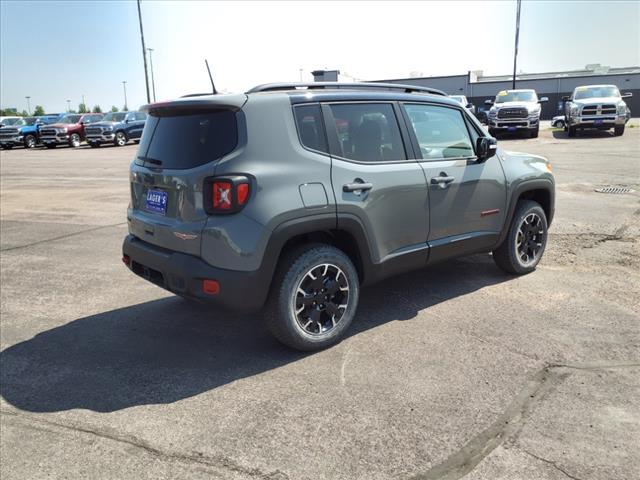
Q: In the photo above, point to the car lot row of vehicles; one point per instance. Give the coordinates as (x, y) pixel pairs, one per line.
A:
(589, 107)
(72, 129)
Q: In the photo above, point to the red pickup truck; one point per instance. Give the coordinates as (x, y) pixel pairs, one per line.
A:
(68, 130)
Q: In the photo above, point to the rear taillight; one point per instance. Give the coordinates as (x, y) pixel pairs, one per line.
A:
(226, 194)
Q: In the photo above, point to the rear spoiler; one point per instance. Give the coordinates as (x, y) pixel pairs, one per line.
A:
(196, 103)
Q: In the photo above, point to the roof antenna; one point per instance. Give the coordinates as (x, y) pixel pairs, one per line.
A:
(213, 87)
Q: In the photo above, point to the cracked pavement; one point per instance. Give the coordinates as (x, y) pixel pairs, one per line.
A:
(458, 371)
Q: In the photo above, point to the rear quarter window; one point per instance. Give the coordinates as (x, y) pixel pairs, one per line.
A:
(187, 141)
(310, 127)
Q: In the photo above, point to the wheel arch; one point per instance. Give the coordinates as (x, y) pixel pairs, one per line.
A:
(539, 190)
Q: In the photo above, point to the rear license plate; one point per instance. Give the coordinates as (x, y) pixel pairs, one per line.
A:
(511, 129)
(598, 122)
(156, 202)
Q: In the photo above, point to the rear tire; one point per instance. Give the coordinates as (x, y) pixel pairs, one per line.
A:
(314, 297)
(30, 141)
(571, 131)
(618, 130)
(522, 249)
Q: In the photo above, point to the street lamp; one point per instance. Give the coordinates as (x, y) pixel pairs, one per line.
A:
(68, 106)
(153, 83)
(124, 85)
(28, 105)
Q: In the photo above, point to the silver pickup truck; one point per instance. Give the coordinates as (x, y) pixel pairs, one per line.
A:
(596, 106)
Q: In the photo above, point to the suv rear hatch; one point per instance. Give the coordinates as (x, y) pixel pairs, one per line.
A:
(180, 146)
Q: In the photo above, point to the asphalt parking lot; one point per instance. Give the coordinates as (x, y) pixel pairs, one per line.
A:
(459, 370)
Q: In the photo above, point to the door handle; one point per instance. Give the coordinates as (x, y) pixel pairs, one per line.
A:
(357, 186)
(442, 179)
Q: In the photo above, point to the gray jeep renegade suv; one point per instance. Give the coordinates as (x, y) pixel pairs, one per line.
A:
(291, 197)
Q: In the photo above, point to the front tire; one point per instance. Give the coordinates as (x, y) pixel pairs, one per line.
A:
(534, 133)
(522, 249)
(74, 140)
(618, 130)
(571, 131)
(30, 141)
(314, 298)
(120, 140)
(7, 147)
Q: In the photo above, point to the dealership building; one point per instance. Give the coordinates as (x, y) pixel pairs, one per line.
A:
(554, 85)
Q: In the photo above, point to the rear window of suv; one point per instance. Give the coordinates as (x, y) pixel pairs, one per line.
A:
(187, 141)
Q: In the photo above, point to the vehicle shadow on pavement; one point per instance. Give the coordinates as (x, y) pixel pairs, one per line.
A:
(166, 350)
(584, 135)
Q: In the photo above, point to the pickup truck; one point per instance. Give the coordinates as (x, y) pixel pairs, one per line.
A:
(596, 106)
(69, 129)
(25, 132)
(515, 111)
(117, 128)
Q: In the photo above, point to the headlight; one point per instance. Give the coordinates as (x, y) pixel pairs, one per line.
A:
(108, 129)
(493, 112)
(63, 130)
(574, 110)
(622, 108)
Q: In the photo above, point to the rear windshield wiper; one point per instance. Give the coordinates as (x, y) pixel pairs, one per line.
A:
(150, 160)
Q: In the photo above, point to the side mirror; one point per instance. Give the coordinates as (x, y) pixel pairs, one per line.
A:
(543, 99)
(469, 105)
(486, 148)
(488, 101)
(566, 98)
(627, 95)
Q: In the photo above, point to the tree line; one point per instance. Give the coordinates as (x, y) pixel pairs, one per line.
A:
(38, 111)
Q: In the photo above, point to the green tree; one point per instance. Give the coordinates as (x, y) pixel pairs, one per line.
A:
(97, 109)
(82, 108)
(24, 113)
(114, 108)
(38, 111)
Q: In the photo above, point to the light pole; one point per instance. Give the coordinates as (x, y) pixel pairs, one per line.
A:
(515, 51)
(68, 106)
(28, 105)
(153, 82)
(124, 86)
(144, 53)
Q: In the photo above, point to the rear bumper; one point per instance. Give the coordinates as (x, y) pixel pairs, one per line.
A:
(184, 274)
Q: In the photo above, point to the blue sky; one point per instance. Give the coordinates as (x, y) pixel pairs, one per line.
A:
(59, 50)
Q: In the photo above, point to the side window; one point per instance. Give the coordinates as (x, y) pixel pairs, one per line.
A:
(87, 120)
(141, 116)
(473, 132)
(310, 127)
(441, 131)
(368, 132)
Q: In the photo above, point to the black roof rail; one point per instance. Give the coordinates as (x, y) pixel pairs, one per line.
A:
(196, 95)
(274, 87)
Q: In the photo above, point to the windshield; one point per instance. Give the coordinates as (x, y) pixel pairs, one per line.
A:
(70, 119)
(516, 96)
(11, 121)
(459, 98)
(114, 117)
(596, 92)
(49, 120)
(30, 121)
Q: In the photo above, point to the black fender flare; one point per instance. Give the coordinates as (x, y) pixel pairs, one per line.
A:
(523, 187)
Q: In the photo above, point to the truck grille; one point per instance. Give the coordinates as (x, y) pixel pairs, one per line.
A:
(606, 109)
(512, 113)
(8, 132)
(48, 132)
(93, 131)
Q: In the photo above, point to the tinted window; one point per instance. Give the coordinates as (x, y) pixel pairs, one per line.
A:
(310, 127)
(368, 132)
(187, 141)
(141, 116)
(441, 132)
